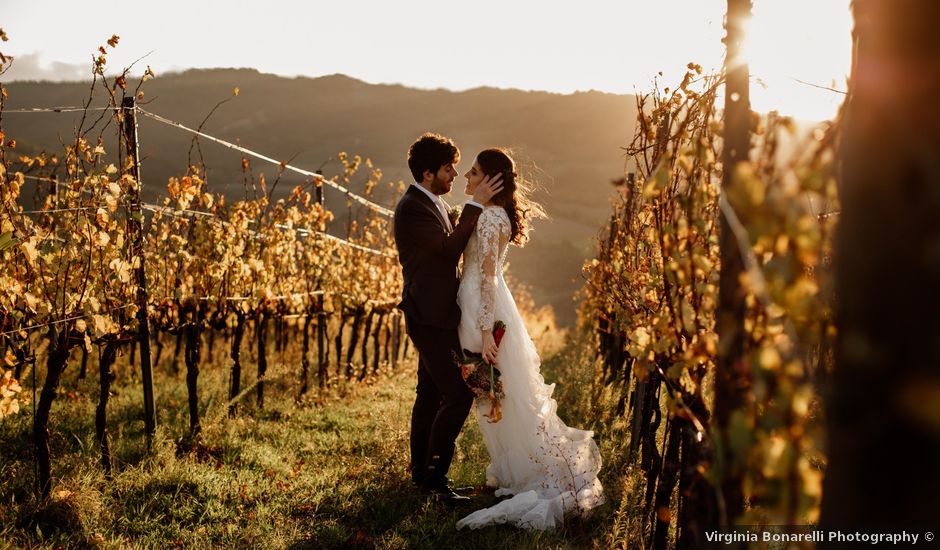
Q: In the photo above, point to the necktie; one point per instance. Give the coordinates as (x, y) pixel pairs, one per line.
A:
(443, 209)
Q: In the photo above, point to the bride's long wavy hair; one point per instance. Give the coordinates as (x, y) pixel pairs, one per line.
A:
(514, 197)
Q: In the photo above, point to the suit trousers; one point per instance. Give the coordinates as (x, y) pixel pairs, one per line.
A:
(442, 402)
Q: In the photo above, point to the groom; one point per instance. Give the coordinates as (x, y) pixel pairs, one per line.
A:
(429, 247)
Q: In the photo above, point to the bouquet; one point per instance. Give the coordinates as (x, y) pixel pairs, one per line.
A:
(482, 377)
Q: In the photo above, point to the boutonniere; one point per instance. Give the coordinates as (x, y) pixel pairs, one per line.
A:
(453, 215)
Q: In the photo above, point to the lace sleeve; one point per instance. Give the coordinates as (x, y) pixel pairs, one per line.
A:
(492, 235)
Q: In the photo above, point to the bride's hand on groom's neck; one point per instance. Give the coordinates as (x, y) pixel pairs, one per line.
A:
(488, 188)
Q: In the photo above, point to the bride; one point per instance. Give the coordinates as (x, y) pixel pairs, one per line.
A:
(548, 468)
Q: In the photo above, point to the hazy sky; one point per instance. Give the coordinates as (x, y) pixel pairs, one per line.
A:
(559, 46)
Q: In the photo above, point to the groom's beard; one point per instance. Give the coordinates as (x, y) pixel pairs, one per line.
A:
(440, 187)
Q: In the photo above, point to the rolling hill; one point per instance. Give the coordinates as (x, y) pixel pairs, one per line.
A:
(568, 144)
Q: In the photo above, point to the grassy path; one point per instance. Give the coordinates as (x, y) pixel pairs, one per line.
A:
(332, 475)
(374, 505)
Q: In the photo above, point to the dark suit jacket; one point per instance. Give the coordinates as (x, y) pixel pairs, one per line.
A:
(428, 257)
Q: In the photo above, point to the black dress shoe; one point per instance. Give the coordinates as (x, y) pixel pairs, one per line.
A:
(460, 490)
(445, 494)
(449, 485)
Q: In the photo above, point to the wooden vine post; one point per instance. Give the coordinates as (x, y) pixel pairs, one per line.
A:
(105, 378)
(366, 332)
(396, 338)
(135, 227)
(262, 333)
(322, 372)
(55, 365)
(358, 314)
(338, 341)
(235, 376)
(732, 380)
(305, 355)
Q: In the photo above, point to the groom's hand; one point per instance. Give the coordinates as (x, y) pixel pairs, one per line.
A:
(489, 347)
(488, 188)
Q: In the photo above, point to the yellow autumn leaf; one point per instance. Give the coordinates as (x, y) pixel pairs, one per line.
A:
(659, 179)
(101, 324)
(769, 359)
(122, 268)
(29, 247)
(688, 316)
(9, 387)
(8, 406)
(31, 300)
(640, 336)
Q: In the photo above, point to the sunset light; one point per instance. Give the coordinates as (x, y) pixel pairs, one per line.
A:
(615, 47)
(795, 49)
(540, 274)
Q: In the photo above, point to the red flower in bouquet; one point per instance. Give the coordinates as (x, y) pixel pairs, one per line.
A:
(482, 377)
(499, 330)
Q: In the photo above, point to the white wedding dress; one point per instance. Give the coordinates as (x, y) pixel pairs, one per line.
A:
(549, 468)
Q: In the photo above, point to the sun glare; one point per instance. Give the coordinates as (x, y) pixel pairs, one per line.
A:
(795, 49)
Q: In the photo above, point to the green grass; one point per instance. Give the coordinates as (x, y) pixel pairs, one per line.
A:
(327, 472)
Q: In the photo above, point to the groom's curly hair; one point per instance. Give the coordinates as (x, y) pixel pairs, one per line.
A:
(430, 152)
